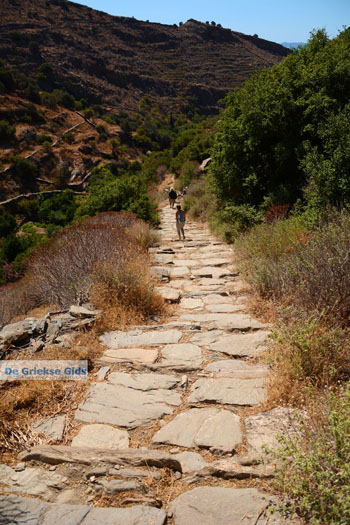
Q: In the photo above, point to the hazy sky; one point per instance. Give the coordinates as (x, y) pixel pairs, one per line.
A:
(276, 20)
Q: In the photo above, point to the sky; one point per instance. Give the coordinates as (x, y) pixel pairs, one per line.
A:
(275, 20)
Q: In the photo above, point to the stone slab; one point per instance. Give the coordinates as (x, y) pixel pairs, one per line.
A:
(179, 271)
(190, 461)
(53, 427)
(139, 457)
(198, 427)
(241, 345)
(144, 382)
(160, 273)
(181, 357)
(211, 272)
(101, 436)
(16, 510)
(129, 400)
(191, 304)
(224, 308)
(163, 258)
(169, 294)
(226, 321)
(228, 391)
(237, 368)
(216, 298)
(207, 338)
(119, 338)
(144, 356)
(32, 480)
(208, 505)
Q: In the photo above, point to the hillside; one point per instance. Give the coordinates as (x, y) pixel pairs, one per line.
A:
(117, 60)
(62, 145)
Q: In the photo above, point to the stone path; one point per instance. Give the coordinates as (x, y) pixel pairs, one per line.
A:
(171, 431)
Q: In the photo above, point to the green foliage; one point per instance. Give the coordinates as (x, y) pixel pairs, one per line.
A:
(289, 262)
(10, 248)
(64, 99)
(191, 143)
(8, 224)
(31, 114)
(314, 469)
(187, 174)
(58, 210)
(7, 132)
(125, 192)
(43, 138)
(23, 168)
(7, 79)
(69, 137)
(282, 129)
(154, 162)
(308, 352)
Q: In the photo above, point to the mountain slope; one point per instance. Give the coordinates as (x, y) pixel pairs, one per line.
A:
(118, 60)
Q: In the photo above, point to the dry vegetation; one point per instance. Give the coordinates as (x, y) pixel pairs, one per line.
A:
(102, 259)
(304, 274)
(63, 270)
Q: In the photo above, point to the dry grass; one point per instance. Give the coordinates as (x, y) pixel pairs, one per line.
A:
(306, 353)
(61, 271)
(143, 234)
(125, 293)
(22, 402)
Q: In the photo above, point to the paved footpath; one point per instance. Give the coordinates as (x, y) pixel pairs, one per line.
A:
(171, 431)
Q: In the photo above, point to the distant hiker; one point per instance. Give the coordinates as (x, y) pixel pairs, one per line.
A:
(180, 221)
(172, 197)
(184, 192)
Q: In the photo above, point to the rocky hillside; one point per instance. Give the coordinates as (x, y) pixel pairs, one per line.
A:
(49, 149)
(118, 60)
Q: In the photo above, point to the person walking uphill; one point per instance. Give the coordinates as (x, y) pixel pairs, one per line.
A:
(172, 197)
(180, 221)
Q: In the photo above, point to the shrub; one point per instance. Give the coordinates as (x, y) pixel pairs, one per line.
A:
(69, 137)
(61, 269)
(143, 234)
(314, 469)
(307, 352)
(7, 132)
(293, 265)
(43, 138)
(59, 209)
(260, 250)
(127, 192)
(100, 129)
(8, 224)
(23, 168)
(7, 79)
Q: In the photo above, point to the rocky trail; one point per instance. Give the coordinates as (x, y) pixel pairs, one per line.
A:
(173, 427)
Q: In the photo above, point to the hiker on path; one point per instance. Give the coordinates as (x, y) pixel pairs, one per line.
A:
(172, 197)
(180, 221)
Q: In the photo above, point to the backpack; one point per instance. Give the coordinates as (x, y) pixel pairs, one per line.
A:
(181, 216)
(173, 194)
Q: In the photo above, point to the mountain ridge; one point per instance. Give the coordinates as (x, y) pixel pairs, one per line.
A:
(118, 60)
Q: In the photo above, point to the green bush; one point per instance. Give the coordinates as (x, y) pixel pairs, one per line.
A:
(126, 192)
(24, 168)
(69, 137)
(8, 224)
(306, 351)
(43, 138)
(314, 469)
(286, 127)
(7, 79)
(260, 251)
(7, 132)
(58, 210)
